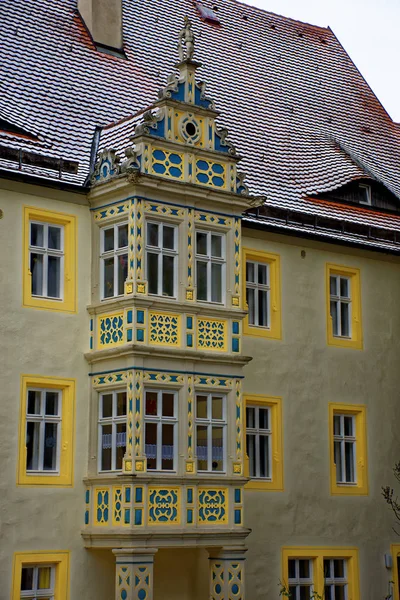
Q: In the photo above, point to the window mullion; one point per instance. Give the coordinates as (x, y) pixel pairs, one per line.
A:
(160, 272)
(257, 457)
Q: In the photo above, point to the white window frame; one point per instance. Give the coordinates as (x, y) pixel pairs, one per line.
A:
(114, 420)
(42, 418)
(297, 582)
(37, 594)
(115, 253)
(339, 301)
(258, 432)
(368, 192)
(251, 285)
(343, 439)
(334, 582)
(161, 252)
(161, 420)
(210, 260)
(46, 252)
(210, 423)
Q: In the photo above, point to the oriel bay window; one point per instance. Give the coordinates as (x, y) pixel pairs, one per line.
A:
(211, 423)
(161, 258)
(343, 293)
(113, 259)
(160, 424)
(46, 259)
(210, 266)
(112, 430)
(43, 429)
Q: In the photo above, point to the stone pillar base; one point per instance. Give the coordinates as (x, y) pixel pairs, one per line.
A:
(227, 573)
(134, 573)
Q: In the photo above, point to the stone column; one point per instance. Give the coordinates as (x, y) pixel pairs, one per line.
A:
(134, 573)
(227, 573)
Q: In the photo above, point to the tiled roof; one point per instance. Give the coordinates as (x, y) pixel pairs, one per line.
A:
(297, 109)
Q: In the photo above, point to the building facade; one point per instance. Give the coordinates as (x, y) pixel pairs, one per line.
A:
(201, 385)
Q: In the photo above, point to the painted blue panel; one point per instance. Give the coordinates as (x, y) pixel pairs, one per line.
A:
(129, 335)
(190, 496)
(218, 146)
(190, 516)
(139, 494)
(235, 345)
(218, 181)
(159, 168)
(199, 100)
(235, 327)
(129, 316)
(160, 129)
(175, 172)
(179, 94)
(175, 159)
(159, 155)
(238, 517)
(91, 324)
(91, 343)
(189, 322)
(202, 177)
(127, 494)
(127, 516)
(140, 316)
(138, 516)
(87, 496)
(238, 495)
(189, 340)
(217, 168)
(202, 165)
(140, 335)
(86, 517)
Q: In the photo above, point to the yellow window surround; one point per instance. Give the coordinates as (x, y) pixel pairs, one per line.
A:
(360, 488)
(274, 331)
(60, 560)
(355, 340)
(64, 477)
(68, 303)
(395, 548)
(276, 483)
(317, 554)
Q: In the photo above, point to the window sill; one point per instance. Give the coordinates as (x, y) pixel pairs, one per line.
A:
(342, 342)
(338, 489)
(45, 480)
(265, 332)
(263, 485)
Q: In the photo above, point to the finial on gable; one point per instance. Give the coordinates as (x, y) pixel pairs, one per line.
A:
(186, 41)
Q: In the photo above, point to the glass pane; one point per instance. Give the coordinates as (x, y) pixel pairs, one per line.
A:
(168, 405)
(349, 457)
(33, 402)
(250, 417)
(292, 568)
(108, 277)
(264, 456)
(121, 445)
(328, 593)
(27, 578)
(217, 407)
(250, 272)
(151, 403)
(334, 315)
(348, 425)
(167, 449)
(123, 236)
(338, 568)
(168, 275)
(304, 569)
(216, 282)
(263, 309)
(292, 592)
(108, 239)
(122, 272)
(107, 408)
(201, 280)
(37, 235)
(51, 403)
(263, 274)
(201, 448)
(32, 446)
(340, 592)
(152, 234)
(251, 453)
(216, 246)
(336, 425)
(54, 277)
(36, 268)
(201, 243)
(263, 418)
(50, 447)
(327, 569)
(344, 319)
(152, 272)
(151, 445)
(250, 299)
(121, 404)
(333, 285)
(344, 287)
(305, 592)
(54, 241)
(338, 461)
(217, 449)
(168, 237)
(201, 407)
(106, 446)
(44, 578)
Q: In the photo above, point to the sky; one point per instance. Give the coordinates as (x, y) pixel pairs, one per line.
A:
(369, 30)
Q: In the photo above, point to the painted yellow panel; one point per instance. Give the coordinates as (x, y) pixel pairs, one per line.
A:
(164, 506)
(110, 330)
(164, 329)
(211, 334)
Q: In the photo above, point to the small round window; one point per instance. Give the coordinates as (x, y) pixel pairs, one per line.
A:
(190, 129)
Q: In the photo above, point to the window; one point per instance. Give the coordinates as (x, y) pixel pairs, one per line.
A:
(160, 430)
(330, 572)
(41, 576)
(344, 307)
(210, 432)
(348, 449)
(262, 290)
(114, 259)
(46, 431)
(300, 578)
(49, 260)
(161, 258)
(112, 430)
(264, 461)
(396, 571)
(365, 194)
(210, 266)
